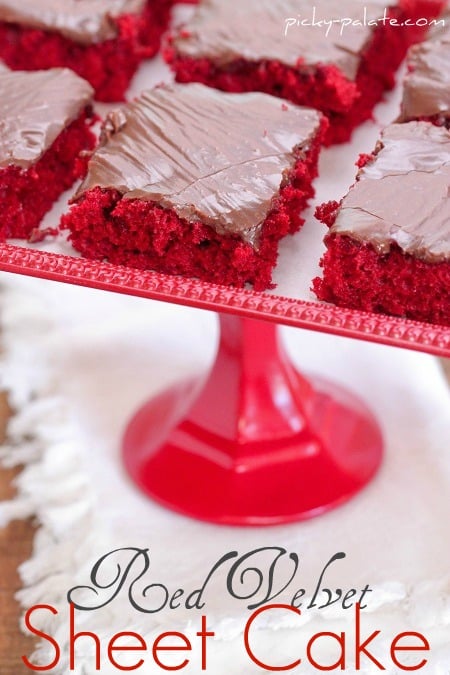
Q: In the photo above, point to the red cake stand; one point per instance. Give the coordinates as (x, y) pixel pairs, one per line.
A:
(261, 445)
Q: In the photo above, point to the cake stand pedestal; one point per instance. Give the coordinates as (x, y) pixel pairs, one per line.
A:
(260, 445)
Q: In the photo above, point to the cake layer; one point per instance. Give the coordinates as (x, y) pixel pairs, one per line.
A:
(214, 157)
(45, 122)
(269, 30)
(338, 57)
(104, 41)
(357, 277)
(188, 180)
(34, 109)
(427, 85)
(83, 21)
(402, 196)
(28, 194)
(388, 247)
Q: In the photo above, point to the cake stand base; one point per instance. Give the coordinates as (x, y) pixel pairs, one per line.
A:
(261, 445)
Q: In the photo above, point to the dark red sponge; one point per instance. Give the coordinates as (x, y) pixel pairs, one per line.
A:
(357, 277)
(108, 66)
(346, 103)
(27, 194)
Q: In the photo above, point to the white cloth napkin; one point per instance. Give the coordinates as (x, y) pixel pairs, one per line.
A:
(78, 363)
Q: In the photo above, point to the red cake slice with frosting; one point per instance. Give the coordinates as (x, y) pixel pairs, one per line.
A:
(45, 123)
(338, 56)
(189, 180)
(388, 247)
(426, 94)
(102, 40)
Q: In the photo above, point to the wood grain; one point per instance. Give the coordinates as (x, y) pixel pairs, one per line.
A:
(15, 547)
(446, 366)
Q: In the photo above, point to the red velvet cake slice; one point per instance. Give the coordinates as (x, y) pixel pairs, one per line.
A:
(45, 121)
(189, 180)
(102, 40)
(338, 56)
(389, 239)
(427, 85)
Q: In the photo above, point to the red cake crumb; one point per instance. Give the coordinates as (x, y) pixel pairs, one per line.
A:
(108, 66)
(27, 194)
(363, 159)
(346, 103)
(141, 234)
(327, 212)
(37, 235)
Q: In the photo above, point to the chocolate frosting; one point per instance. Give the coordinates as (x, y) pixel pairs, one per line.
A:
(214, 157)
(427, 86)
(403, 195)
(255, 30)
(35, 107)
(83, 21)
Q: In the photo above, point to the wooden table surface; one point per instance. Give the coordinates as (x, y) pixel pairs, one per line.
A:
(15, 547)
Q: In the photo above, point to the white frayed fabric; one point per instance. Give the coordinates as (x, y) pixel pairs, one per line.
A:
(78, 363)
